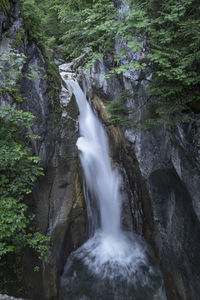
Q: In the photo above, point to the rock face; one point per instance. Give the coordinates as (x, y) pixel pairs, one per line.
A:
(162, 172)
(170, 168)
(57, 199)
(67, 217)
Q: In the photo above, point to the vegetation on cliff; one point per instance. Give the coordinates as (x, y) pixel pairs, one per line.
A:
(163, 34)
(18, 171)
(5, 4)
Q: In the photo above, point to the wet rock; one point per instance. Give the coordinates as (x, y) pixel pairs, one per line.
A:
(57, 199)
(170, 165)
(162, 178)
(67, 215)
(97, 84)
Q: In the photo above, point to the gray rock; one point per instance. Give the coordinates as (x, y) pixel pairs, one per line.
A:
(162, 178)
(96, 83)
(57, 199)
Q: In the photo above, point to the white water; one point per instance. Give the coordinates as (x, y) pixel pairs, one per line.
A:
(102, 181)
(110, 255)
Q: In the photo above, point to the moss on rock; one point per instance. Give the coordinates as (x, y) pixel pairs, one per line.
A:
(5, 5)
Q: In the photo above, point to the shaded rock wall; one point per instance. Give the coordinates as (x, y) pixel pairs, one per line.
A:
(163, 177)
(169, 163)
(57, 199)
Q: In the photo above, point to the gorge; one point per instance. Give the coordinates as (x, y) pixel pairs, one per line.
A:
(148, 178)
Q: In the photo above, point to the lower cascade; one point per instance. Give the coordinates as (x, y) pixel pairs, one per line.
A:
(113, 264)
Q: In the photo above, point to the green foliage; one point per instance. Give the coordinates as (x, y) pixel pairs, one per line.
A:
(91, 25)
(5, 5)
(18, 38)
(118, 111)
(11, 64)
(36, 269)
(52, 28)
(18, 171)
(54, 86)
(171, 30)
(35, 73)
(171, 34)
(163, 35)
(33, 19)
(175, 55)
(42, 23)
(10, 67)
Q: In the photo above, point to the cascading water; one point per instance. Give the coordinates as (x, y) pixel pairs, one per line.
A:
(101, 180)
(112, 264)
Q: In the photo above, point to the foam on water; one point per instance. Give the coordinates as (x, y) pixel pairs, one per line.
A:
(110, 268)
(102, 181)
(109, 257)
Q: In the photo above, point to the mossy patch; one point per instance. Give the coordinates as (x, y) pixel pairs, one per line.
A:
(5, 5)
(15, 93)
(18, 38)
(54, 87)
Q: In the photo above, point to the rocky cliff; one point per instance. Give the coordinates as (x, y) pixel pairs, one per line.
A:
(57, 198)
(160, 167)
(162, 172)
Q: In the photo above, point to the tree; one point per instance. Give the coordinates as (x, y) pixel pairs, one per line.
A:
(18, 171)
(90, 29)
(171, 34)
(174, 54)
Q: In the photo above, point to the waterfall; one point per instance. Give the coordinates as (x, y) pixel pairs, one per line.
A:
(101, 180)
(112, 264)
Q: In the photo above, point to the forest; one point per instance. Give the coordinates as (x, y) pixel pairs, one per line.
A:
(165, 34)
